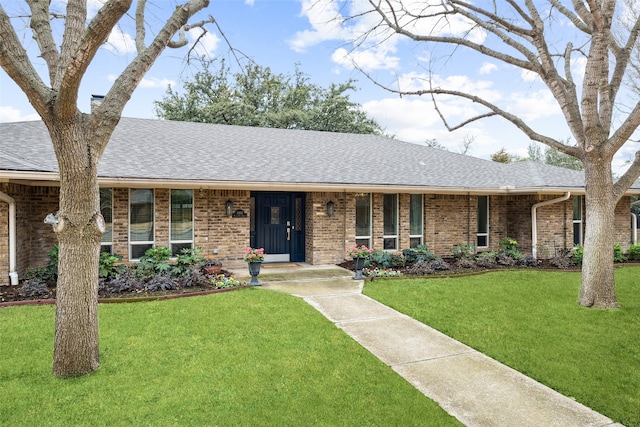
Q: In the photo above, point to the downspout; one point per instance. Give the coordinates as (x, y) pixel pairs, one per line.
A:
(534, 221)
(13, 275)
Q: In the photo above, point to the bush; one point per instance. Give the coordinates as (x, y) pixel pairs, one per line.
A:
(417, 254)
(397, 261)
(380, 259)
(634, 252)
(420, 268)
(487, 259)
(194, 277)
(189, 257)
(578, 253)
(510, 249)
(463, 251)
(161, 283)
(48, 273)
(154, 261)
(618, 253)
(126, 281)
(33, 288)
(107, 267)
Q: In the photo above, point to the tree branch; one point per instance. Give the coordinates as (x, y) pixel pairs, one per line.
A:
(15, 62)
(629, 177)
(41, 28)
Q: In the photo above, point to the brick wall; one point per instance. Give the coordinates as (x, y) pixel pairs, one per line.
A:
(325, 242)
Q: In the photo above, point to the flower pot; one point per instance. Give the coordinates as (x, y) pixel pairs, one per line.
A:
(212, 269)
(254, 271)
(358, 265)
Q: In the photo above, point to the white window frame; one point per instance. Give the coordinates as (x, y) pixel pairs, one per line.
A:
(171, 240)
(421, 218)
(578, 221)
(483, 234)
(102, 241)
(359, 239)
(393, 236)
(153, 219)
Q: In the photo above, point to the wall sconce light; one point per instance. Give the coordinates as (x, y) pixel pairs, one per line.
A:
(331, 208)
(228, 208)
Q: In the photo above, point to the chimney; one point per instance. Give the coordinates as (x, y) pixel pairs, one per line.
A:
(96, 100)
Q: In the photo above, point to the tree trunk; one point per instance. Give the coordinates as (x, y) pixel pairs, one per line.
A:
(79, 233)
(598, 287)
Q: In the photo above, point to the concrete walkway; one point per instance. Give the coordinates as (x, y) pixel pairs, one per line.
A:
(472, 387)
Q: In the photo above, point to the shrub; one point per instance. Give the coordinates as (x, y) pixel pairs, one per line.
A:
(33, 288)
(189, 257)
(578, 253)
(420, 268)
(48, 273)
(154, 261)
(634, 252)
(462, 251)
(618, 253)
(527, 261)
(107, 267)
(510, 249)
(505, 259)
(465, 263)
(487, 259)
(417, 254)
(381, 259)
(194, 277)
(161, 282)
(397, 261)
(126, 281)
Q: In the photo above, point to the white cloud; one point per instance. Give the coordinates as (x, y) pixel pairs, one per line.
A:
(155, 82)
(532, 106)
(325, 20)
(371, 59)
(10, 114)
(528, 76)
(207, 44)
(120, 43)
(487, 68)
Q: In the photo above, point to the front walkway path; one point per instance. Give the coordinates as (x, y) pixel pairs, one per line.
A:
(472, 387)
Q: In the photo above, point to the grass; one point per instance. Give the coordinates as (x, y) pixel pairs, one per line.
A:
(530, 320)
(244, 358)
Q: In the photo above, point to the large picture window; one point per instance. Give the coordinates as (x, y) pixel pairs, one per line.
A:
(483, 222)
(106, 209)
(363, 219)
(390, 208)
(416, 226)
(181, 219)
(577, 221)
(140, 221)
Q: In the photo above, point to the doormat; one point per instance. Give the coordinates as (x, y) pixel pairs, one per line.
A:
(286, 265)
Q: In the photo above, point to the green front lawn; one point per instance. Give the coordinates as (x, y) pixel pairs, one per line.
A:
(244, 358)
(530, 320)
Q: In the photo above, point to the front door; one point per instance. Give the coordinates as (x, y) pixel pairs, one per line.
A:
(279, 226)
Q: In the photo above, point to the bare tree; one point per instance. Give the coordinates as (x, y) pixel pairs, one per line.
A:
(79, 140)
(545, 39)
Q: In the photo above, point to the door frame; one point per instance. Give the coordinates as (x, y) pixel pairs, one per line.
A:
(295, 215)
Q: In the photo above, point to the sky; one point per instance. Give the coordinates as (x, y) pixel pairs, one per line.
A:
(283, 34)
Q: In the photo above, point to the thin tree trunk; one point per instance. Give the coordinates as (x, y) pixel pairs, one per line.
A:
(79, 232)
(598, 288)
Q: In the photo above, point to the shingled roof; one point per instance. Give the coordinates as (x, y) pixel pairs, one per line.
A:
(156, 152)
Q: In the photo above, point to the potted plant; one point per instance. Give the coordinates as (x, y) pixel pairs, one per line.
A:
(254, 257)
(212, 267)
(359, 254)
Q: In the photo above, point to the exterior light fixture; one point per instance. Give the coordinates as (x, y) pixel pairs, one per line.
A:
(228, 208)
(331, 208)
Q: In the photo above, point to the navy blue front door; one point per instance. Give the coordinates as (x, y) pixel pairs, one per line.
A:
(279, 225)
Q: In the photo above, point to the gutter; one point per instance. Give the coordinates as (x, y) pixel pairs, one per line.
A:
(13, 275)
(534, 221)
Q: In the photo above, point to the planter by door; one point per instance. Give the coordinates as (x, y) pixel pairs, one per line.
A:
(358, 265)
(254, 270)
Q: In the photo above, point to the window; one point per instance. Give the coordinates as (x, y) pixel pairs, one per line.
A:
(106, 209)
(577, 220)
(483, 222)
(181, 220)
(140, 221)
(363, 219)
(415, 220)
(390, 214)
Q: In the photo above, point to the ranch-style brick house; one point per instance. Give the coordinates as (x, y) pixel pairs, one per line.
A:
(304, 196)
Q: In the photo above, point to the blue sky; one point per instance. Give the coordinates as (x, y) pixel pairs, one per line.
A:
(282, 33)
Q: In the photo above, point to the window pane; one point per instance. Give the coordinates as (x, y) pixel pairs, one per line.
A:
(390, 214)
(415, 241)
(483, 214)
(138, 250)
(577, 208)
(577, 233)
(482, 241)
(415, 215)
(141, 215)
(176, 248)
(106, 209)
(275, 215)
(363, 215)
(181, 215)
(107, 248)
(390, 243)
(365, 242)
